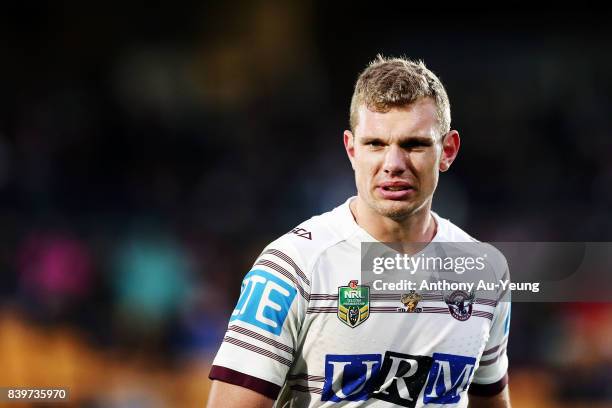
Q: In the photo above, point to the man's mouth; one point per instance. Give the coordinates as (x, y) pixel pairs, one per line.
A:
(396, 188)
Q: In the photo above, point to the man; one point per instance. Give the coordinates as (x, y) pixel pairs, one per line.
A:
(292, 337)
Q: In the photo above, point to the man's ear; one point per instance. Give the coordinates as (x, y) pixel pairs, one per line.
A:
(349, 146)
(450, 148)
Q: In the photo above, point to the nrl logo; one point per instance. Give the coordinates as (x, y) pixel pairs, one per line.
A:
(410, 300)
(460, 304)
(353, 303)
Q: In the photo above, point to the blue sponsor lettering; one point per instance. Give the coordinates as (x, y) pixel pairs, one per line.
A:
(265, 300)
(350, 377)
(448, 377)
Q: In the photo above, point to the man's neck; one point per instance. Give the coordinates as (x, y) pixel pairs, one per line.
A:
(418, 227)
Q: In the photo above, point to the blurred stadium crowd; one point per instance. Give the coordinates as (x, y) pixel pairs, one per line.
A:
(146, 157)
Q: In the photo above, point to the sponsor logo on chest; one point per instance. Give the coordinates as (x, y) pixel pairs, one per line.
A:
(397, 378)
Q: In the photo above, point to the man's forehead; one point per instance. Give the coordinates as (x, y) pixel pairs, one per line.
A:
(417, 119)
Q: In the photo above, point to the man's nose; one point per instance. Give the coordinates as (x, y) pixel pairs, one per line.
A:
(395, 160)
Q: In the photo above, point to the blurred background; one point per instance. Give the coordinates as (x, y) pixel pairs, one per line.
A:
(148, 152)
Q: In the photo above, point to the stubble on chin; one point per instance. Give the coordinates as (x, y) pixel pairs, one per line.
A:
(398, 212)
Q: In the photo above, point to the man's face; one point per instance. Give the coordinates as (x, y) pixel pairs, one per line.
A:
(397, 156)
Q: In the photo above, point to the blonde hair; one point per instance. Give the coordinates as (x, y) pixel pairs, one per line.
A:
(396, 82)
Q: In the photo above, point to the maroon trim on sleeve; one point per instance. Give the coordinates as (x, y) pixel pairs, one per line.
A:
(258, 385)
(488, 390)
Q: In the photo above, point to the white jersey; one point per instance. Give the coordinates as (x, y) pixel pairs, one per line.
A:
(288, 337)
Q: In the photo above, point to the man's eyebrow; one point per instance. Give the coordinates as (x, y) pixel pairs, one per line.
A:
(366, 139)
(402, 140)
(416, 139)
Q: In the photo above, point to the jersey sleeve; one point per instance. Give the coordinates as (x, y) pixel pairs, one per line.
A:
(491, 375)
(261, 339)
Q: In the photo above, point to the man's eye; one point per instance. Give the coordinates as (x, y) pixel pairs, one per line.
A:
(415, 145)
(374, 143)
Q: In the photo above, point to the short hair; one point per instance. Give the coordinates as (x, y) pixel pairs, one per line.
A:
(396, 82)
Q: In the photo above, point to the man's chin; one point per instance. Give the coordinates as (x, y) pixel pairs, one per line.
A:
(395, 210)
